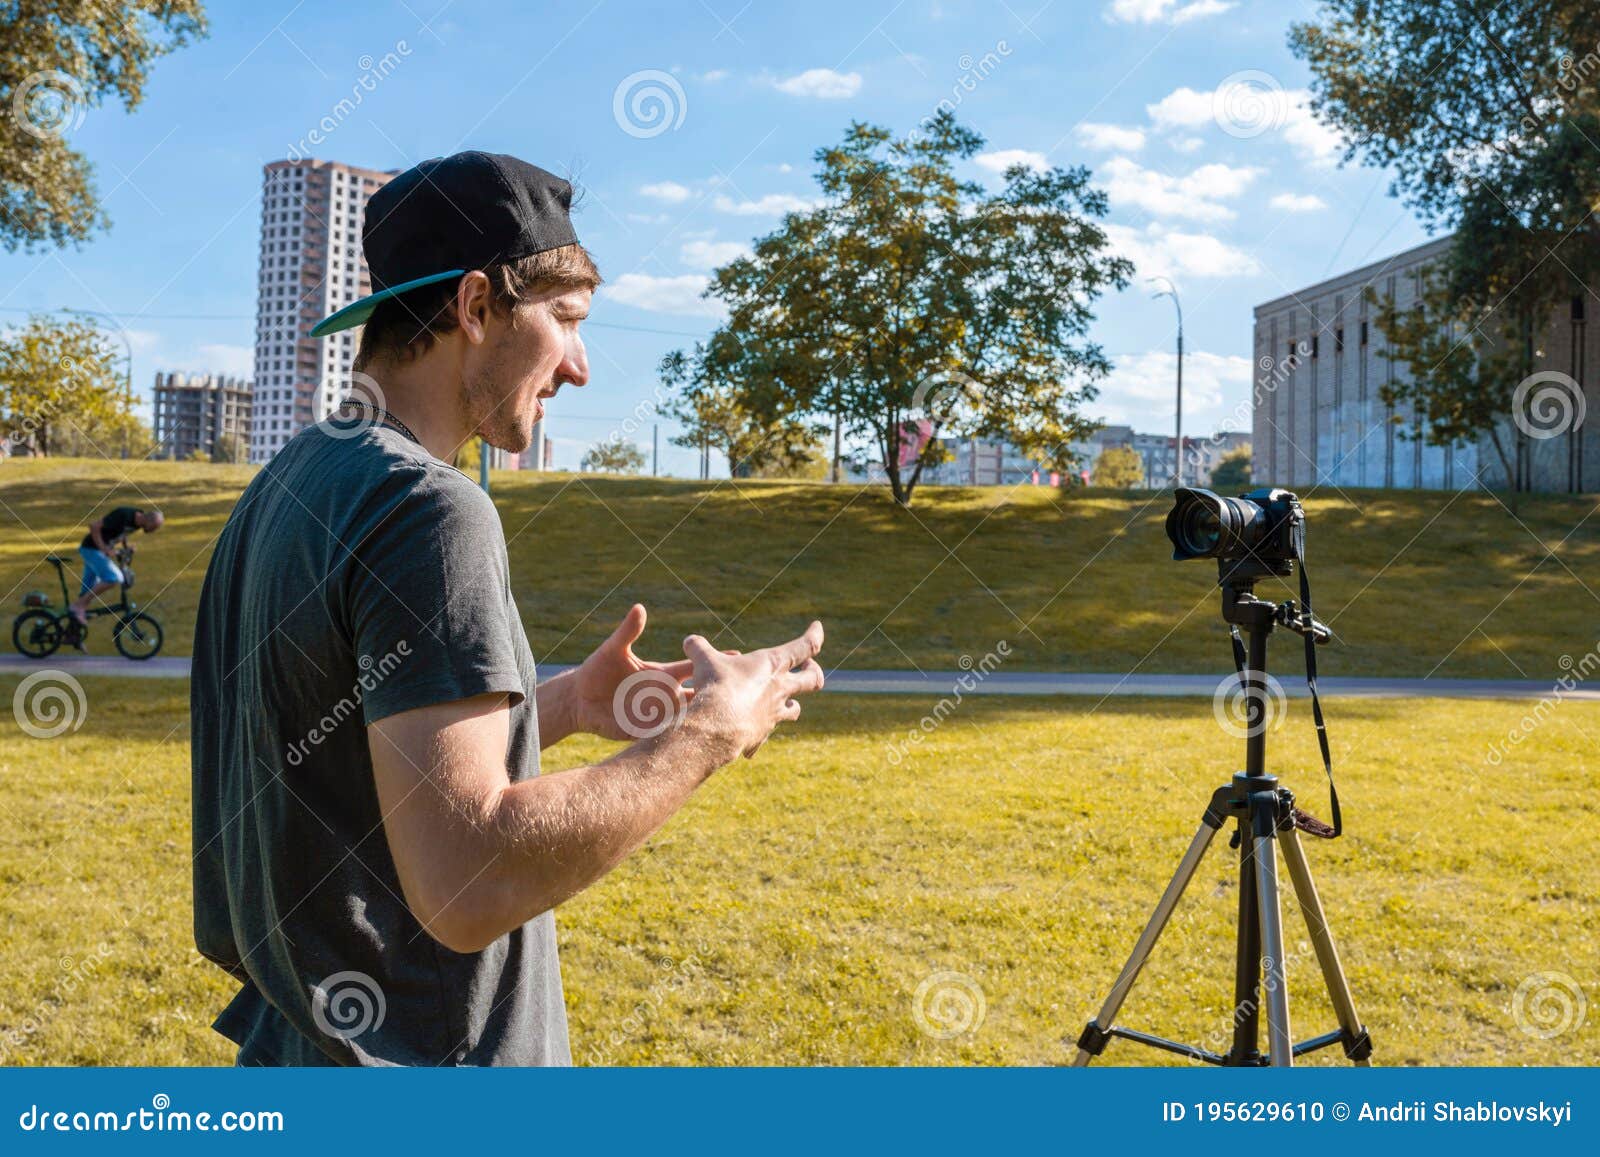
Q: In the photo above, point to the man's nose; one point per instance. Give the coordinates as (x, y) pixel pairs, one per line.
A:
(574, 368)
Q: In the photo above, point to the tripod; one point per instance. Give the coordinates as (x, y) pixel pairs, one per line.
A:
(1266, 818)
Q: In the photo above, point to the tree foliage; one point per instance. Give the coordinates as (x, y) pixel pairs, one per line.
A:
(1232, 472)
(614, 456)
(59, 58)
(228, 448)
(750, 424)
(909, 299)
(1119, 467)
(62, 389)
(1489, 115)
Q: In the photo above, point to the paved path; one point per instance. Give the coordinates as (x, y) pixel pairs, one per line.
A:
(941, 684)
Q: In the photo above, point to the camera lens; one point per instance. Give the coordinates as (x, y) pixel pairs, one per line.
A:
(1201, 530)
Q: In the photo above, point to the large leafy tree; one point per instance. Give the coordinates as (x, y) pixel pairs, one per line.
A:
(61, 388)
(57, 59)
(911, 303)
(1488, 113)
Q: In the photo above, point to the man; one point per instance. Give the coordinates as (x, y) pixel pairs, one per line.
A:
(100, 570)
(376, 856)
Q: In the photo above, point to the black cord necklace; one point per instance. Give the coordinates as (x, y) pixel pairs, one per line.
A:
(379, 414)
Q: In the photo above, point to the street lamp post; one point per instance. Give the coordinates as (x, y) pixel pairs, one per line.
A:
(1177, 453)
(127, 383)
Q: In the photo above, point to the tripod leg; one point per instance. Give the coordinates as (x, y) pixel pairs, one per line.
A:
(1095, 1035)
(1358, 1046)
(1280, 1046)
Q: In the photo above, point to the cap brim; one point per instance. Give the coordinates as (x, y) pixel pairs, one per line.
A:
(357, 312)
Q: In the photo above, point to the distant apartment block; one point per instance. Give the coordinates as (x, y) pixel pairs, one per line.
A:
(311, 265)
(1319, 416)
(192, 411)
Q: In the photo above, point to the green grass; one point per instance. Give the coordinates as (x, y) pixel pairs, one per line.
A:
(1413, 582)
(789, 913)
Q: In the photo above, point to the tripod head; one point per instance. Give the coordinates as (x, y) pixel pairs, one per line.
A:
(1241, 607)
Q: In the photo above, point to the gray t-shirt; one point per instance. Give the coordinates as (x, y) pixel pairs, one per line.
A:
(357, 577)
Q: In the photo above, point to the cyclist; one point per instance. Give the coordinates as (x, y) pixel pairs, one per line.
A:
(100, 570)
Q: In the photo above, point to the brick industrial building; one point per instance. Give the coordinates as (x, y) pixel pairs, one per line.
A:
(1319, 417)
(192, 411)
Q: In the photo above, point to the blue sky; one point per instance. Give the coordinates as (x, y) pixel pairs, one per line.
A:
(1189, 112)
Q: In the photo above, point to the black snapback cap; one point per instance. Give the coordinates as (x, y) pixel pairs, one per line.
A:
(446, 216)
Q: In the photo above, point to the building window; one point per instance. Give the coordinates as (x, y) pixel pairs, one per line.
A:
(1338, 340)
(1314, 338)
(1363, 333)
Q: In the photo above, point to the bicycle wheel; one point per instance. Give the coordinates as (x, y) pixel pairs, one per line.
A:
(137, 636)
(36, 634)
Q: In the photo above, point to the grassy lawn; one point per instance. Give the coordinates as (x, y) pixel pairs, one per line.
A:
(791, 911)
(1413, 582)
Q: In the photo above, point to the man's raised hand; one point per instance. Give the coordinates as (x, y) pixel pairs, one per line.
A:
(739, 699)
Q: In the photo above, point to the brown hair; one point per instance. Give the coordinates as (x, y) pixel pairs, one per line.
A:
(407, 326)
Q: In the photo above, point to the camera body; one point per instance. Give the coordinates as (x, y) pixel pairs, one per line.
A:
(1259, 533)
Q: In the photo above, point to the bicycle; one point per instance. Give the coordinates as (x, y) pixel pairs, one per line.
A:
(39, 630)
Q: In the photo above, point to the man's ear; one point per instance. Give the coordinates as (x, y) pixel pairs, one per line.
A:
(474, 301)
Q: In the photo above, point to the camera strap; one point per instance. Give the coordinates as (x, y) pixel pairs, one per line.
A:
(1316, 714)
(1304, 820)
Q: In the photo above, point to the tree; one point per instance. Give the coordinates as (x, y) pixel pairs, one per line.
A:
(1119, 467)
(59, 381)
(1232, 472)
(721, 415)
(227, 448)
(57, 59)
(1487, 113)
(613, 456)
(909, 299)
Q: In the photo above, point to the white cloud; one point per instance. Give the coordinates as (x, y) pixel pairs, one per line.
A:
(772, 205)
(1257, 107)
(821, 83)
(663, 294)
(1186, 144)
(1298, 202)
(1163, 11)
(1197, 195)
(668, 191)
(235, 360)
(703, 253)
(1157, 251)
(1002, 159)
(1140, 390)
(714, 75)
(1111, 137)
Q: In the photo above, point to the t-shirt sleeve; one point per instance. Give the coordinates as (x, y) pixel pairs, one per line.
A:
(427, 598)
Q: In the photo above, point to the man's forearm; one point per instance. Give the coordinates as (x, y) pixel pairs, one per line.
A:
(544, 840)
(557, 708)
